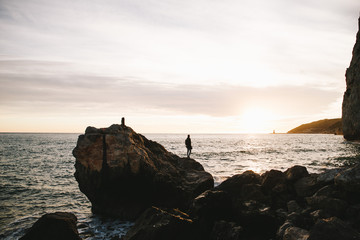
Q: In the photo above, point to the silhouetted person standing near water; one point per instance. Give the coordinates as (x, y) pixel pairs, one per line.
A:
(188, 146)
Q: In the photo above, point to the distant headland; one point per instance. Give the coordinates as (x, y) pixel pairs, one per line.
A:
(325, 126)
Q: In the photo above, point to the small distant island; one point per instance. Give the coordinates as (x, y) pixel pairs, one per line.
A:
(325, 126)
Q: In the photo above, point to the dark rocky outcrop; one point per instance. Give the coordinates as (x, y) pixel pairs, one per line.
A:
(275, 205)
(56, 226)
(156, 223)
(333, 229)
(325, 126)
(123, 173)
(351, 100)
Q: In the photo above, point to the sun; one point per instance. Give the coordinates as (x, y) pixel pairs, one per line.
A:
(257, 120)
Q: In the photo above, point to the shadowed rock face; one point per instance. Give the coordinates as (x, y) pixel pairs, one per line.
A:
(56, 226)
(122, 173)
(351, 101)
(290, 205)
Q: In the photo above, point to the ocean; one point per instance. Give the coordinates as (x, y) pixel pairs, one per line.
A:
(37, 171)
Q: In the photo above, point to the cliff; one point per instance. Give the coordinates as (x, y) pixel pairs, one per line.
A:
(351, 100)
(325, 126)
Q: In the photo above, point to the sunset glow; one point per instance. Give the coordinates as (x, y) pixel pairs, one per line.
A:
(257, 120)
(173, 66)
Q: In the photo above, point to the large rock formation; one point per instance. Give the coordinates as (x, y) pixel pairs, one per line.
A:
(123, 173)
(351, 101)
(56, 226)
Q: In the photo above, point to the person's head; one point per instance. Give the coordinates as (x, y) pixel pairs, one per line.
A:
(188, 136)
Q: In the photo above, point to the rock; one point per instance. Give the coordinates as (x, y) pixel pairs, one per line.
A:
(234, 184)
(272, 178)
(351, 100)
(299, 220)
(211, 206)
(327, 190)
(306, 186)
(332, 229)
(281, 231)
(349, 179)
(328, 176)
(293, 206)
(295, 233)
(252, 192)
(318, 214)
(156, 223)
(333, 206)
(353, 216)
(295, 173)
(56, 226)
(123, 173)
(226, 231)
(253, 216)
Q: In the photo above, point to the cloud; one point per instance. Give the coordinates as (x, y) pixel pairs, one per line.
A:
(207, 42)
(59, 92)
(170, 58)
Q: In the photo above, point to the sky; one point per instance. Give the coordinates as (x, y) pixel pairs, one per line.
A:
(190, 66)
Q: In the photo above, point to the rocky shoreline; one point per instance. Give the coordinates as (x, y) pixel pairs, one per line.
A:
(275, 205)
(126, 175)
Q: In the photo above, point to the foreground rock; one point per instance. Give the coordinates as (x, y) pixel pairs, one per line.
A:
(123, 173)
(56, 226)
(351, 100)
(275, 205)
(156, 223)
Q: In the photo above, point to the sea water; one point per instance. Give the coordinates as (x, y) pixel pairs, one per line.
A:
(37, 171)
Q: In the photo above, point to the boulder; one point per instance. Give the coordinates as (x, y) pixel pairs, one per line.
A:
(333, 206)
(328, 176)
(156, 223)
(123, 173)
(212, 205)
(226, 231)
(351, 100)
(293, 206)
(281, 231)
(253, 192)
(295, 173)
(307, 186)
(349, 179)
(258, 220)
(272, 178)
(332, 229)
(299, 220)
(234, 184)
(295, 233)
(56, 226)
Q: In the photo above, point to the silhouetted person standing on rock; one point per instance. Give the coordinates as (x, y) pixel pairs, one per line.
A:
(188, 146)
